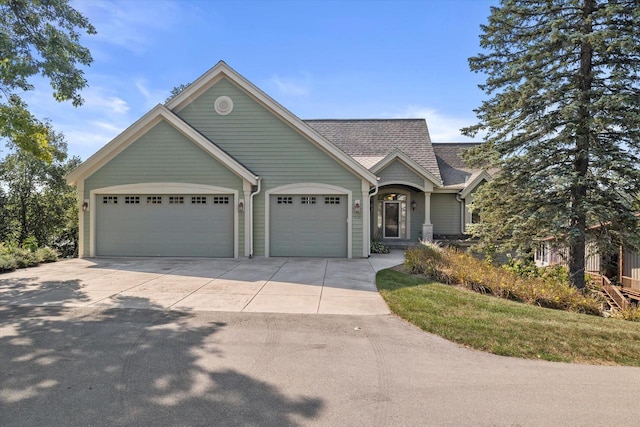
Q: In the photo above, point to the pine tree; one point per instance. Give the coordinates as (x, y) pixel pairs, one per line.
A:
(562, 122)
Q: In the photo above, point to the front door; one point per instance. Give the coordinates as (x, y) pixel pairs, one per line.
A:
(391, 219)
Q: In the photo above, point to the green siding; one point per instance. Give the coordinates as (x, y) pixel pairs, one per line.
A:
(163, 154)
(445, 214)
(397, 171)
(268, 146)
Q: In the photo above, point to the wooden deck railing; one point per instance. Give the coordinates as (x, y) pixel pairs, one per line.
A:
(628, 282)
(613, 292)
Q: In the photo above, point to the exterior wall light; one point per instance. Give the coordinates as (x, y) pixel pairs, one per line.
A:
(241, 206)
(414, 205)
(356, 207)
(85, 206)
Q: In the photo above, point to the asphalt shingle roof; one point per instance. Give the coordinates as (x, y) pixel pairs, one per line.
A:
(453, 170)
(370, 140)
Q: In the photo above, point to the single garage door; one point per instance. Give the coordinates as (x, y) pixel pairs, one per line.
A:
(199, 225)
(308, 225)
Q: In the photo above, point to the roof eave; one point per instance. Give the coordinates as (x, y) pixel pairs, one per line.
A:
(222, 69)
(399, 154)
(473, 184)
(157, 114)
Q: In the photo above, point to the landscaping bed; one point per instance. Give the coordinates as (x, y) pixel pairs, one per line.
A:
(512, 311)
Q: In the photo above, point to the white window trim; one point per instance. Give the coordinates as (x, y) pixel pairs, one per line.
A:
(173, 188)
(310, 188)
(407, 193)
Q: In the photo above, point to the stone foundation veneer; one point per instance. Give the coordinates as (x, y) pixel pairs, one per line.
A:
(427, 232)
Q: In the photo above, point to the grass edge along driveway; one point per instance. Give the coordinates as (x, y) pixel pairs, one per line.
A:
(509, 328)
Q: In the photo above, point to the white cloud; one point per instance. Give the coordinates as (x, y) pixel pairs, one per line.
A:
(442, 128)
(97, 99)
(87, 138)
(291, 86)
(152, 97)
(103, 116)
(130, 24)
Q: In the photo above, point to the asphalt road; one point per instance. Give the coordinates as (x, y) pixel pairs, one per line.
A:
(129, 367)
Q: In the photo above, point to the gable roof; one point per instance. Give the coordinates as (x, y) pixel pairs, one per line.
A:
(398, 154)
(146, 122)
(371, 140)
(454, 171)
(222, 70)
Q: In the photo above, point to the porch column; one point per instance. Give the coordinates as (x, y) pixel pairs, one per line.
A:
(427, 227)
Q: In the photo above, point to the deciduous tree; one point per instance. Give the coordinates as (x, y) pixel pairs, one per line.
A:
(562, 122)
(38, 202)
(38, 37)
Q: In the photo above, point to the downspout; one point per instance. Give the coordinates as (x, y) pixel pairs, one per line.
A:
(462, 212)
(251, 217)
(370, 205)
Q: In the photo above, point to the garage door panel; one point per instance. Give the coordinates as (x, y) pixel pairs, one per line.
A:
(164, 229)
(307, 226)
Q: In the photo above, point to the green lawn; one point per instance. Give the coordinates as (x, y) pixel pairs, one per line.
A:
(509, 328)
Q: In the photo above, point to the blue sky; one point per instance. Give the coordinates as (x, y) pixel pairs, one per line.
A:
(319, 59)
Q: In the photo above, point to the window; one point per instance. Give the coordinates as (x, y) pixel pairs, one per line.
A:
(176, 200)
(220, 200)
(154, 200)
(285, 200)
(541, 253)
(198, 200)
(393, 197)
(110, 200)
(131, 200)
(332, 200)
(308, 200)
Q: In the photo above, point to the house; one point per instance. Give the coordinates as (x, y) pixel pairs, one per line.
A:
(224, 170)
(621, 264)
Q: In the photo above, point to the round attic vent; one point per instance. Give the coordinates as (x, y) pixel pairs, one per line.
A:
(223, 105)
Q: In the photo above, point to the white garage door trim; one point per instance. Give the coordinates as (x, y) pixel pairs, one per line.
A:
(159, 188)
(302, 189)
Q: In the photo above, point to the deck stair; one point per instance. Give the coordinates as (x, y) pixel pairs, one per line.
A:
(614, 295)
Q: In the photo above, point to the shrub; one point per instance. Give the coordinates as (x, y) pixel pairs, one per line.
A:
(7, 263)
(30, 244)
(25, 258)
(451, 266)
(631, 313)
(47, 254)
(523, 268)
(379, 248)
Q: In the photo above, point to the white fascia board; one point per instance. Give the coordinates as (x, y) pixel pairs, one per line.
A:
(222, 69)
(133, 132)
(446, 191)
(399, 154)
(114, 146)
(473, 183)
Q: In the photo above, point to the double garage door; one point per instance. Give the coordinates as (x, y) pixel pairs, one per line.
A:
(199, 225)
(202, 225)
(308, 225)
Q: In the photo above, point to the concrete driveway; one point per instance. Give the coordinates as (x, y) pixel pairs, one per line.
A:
(269, 285)
(84, 366)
